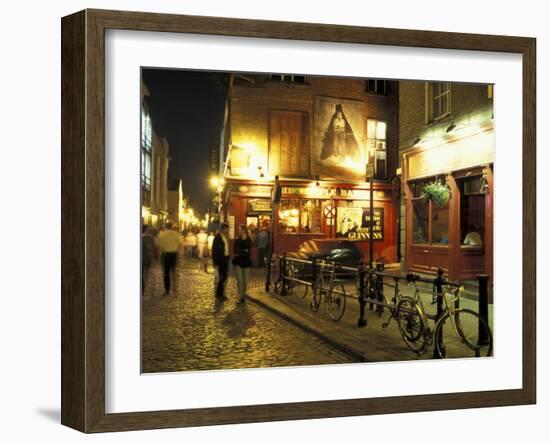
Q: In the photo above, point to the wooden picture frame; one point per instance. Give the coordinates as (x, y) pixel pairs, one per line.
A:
(83, 216)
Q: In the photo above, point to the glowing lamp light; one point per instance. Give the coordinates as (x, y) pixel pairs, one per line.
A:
(215, 181)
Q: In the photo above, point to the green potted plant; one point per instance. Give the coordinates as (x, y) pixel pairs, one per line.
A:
(437, 192)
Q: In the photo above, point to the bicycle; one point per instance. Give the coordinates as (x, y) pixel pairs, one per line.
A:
(467, 333)
(374, 289)
(292, 283)
(326, 286)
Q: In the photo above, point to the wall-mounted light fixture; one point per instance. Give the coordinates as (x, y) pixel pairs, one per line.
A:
(416, 141)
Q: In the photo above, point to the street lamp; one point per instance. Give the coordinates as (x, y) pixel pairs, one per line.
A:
(370, 178)
(275, 199)
(215, 181)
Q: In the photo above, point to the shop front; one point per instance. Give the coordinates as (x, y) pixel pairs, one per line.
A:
(318, 211)
(449, 207)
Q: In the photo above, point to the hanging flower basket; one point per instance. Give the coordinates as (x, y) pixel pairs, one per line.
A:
(437, 192)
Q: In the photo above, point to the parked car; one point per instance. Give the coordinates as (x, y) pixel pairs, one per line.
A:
(342, 252)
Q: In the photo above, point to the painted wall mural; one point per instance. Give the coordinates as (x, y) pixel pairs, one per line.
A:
(339, 138)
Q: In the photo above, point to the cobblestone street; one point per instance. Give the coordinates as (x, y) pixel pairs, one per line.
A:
(189, 330)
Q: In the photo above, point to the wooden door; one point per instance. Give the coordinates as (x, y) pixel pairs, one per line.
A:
(288, 154)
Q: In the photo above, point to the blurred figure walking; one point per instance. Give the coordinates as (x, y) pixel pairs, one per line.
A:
(190, 244)
(242, 261)
(262, 242)
(202, 247)
(169, 242)
(220, 259)
(149, 253)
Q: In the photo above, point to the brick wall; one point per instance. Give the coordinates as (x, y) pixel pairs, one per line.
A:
(251, 103)
(465, 99)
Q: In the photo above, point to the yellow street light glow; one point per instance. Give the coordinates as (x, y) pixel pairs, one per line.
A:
(214, 181)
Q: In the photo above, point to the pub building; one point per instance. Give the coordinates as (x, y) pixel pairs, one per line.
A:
(450, 142)
(316, 134)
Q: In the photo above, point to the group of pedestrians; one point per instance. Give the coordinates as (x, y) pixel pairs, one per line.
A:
(242, 260)
(169, 241)
(197, 244)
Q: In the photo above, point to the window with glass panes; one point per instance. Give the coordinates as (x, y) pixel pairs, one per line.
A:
(376, 141)
(289, 216)
(430, 222)
(310, 216)
(375, 86)
(289, 78)
(439, 100)
(146, 151)
(472, 209)
(300, 216)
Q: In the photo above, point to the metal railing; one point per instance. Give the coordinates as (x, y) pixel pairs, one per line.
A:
(370, 282)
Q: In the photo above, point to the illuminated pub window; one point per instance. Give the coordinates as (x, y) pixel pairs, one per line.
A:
(472, 210)
(289, 216)
(310, 216)
(146, 149)
(376, 140)
(439, 100)
(430, 222)
(300, 216)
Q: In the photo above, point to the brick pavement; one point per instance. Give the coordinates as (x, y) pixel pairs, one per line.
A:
(189, 330)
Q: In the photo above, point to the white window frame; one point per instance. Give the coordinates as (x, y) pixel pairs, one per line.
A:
(376, 140)
(431, 98)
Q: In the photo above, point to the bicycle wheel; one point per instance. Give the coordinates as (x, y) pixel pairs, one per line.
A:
(336, 301)
(412, 325)
(318, 292)
(471, 337)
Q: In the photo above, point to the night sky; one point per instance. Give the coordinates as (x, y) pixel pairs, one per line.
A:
(187, 108)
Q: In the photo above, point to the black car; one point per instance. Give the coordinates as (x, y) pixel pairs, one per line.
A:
(341, 252)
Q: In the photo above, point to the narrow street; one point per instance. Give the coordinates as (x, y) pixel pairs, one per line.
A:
(190, 330)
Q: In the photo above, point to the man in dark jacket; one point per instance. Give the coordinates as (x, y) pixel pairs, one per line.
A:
(220, 259)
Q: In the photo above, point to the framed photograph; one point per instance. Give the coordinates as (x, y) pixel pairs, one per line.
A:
(267, 221)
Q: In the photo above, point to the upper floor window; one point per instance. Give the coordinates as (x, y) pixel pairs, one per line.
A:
(288, 78)
(377, 87)
(376, 142)
(438, 100)
(146, 128)
(146, 150)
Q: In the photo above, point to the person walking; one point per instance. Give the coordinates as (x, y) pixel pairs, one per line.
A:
(220, 259)
(190, 244)
(169, 242)
(242, 248)
(149, 253)
(263, 246)
(202, 246)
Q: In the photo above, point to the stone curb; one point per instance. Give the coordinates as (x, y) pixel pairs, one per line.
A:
(301, 322)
